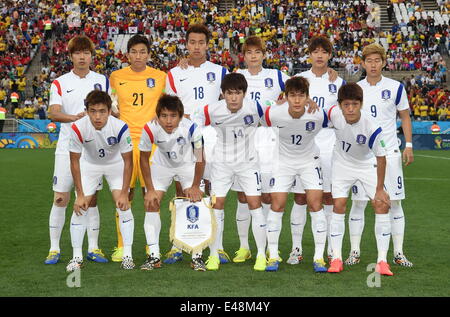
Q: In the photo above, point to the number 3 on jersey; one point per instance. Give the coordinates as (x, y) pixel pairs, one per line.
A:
(198, 92)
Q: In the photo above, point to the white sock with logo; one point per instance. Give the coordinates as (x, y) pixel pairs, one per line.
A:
(265, 209)
(298, 221)
(274, 224)
(397, 225)
(382, 235)
(259, 229)
(56, 224)
(214, 247)
(319, 229)
(337, 230)
(152, 229)
(78, 226)
(93, 228)
(126, 222)
(243, 219)
(356, 223)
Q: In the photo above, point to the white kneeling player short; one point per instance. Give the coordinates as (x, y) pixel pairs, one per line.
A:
(393, 181)
(62, 176)
(264, 181)
(245, 174)
(92, 176)
(344, 176)
(325, 163)
(163, 176)
(284, 176)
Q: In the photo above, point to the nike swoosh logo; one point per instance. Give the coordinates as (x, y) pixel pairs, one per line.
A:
(183, 79)
(87, 141)
(336, 235)
(295, 224)
(241, 219)
(273, 230)
(218, 123)
(262, 226)
(125, 221)
(76, 224)
(320, 183)
(321, 231)
(280, 127)
(395, 218)
(96, 229)
(386, 234)
(355, 219)
(122, 83)
(69, 91)
(398, 194)
(160, 142)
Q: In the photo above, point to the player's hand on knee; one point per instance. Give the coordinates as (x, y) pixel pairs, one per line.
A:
(194, 193)
(81, 203)
(151, 200)
(381, 196)
(123, 203)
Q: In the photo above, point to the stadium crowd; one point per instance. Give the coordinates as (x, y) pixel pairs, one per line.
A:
(285, 25)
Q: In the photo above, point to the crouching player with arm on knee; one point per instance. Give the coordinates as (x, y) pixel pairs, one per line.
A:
(107, 148)
(358, 142)
(179, 154)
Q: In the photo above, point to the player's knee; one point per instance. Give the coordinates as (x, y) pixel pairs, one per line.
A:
(242, 198)
(380, 207)
(277, 206)
(219, 205)
(93, 202)
(265, 198)
(327, 199)
(300, 199)
(339, 206)
(61, 199)
(131, 194)
(315, 205)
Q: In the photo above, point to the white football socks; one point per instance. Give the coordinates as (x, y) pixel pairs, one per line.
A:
(298, 221)
(319, 229)
(356, 223)
(382, 235)
(93, 228)
(56, 224)
(243, 219)
(152, 229)
(126, 223)
(78, 225)
(337, 230)
(328, 210)
(214, 247)
(397, 225)
(259, 230)
(265, 209)
(274, 224)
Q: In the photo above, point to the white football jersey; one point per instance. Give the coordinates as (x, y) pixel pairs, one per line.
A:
(196, 86)
(295, 136)
(173, 149)
(235, 131)
(381, 102)
(69, 91)
(268, 84)
(103, 146)
(356, 143)
(323, 92)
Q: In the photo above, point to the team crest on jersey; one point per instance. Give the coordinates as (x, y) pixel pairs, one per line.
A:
(310, 126)
(150, 82)
(97, 87)
(111, 140)
(248, 120)
(386, 94)
(332, 88)
(192, 213)
(181, 141)
(211, 77)
(361, 139)
(268, 82)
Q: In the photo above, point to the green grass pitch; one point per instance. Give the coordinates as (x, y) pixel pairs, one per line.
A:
(25, 202)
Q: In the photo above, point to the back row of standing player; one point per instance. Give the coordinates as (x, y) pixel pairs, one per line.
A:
(138, 88)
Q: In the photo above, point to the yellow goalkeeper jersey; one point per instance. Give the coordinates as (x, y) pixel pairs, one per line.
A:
(138, 95)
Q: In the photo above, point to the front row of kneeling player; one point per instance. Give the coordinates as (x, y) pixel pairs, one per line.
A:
(359, 155)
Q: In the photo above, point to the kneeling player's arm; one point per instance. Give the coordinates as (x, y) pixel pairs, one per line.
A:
(199, 166)
(144, 160)
(381, 171)
(127, 171)
(76, 174)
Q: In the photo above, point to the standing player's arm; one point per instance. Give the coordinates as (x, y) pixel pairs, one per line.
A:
(408, 156)
(80, 202)
(122, 202)
(150, 195)
(55, 114)
(381, 194)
